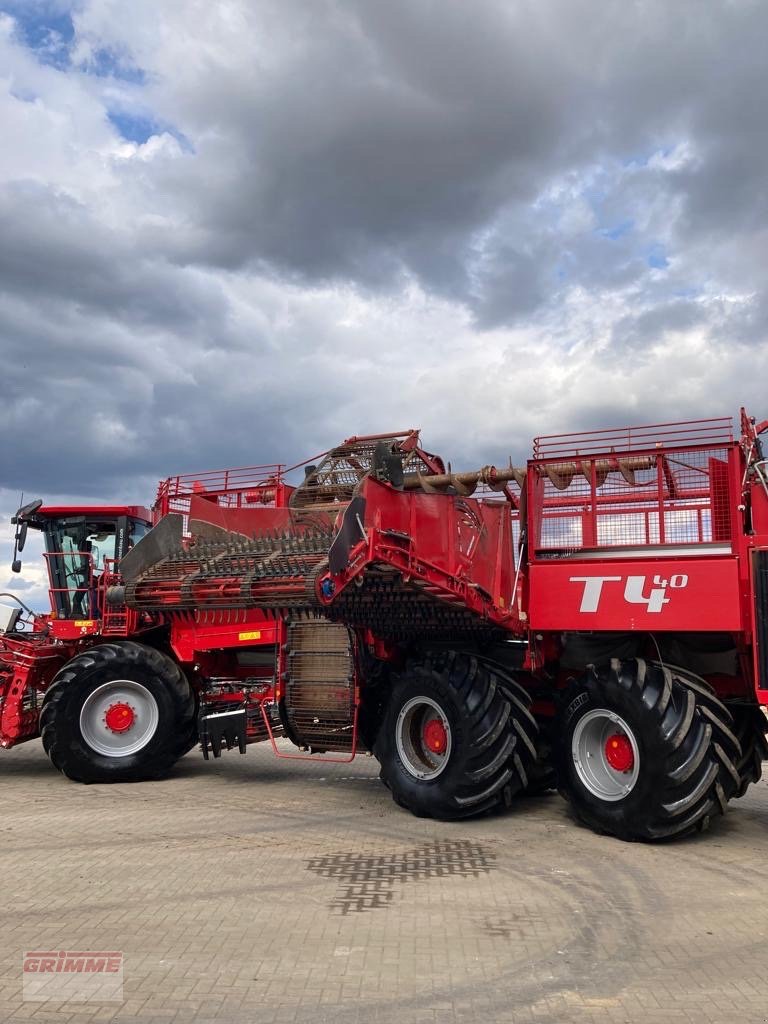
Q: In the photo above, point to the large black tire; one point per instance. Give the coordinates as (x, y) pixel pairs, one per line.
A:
(85, 685)
(684, 751)
(516, 686)
(492, 738)
(750, 725)
(747, 722)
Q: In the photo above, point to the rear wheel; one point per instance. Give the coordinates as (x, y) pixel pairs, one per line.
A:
(747, 721)
(119, 712)
(644, 752)
(750, 725)
(451, 744)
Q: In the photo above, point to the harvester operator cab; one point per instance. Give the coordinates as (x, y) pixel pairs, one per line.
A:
(80, 544)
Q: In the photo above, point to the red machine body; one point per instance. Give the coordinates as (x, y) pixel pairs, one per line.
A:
(650, 531)
(80, 615)
(671, 547)
(618, 583)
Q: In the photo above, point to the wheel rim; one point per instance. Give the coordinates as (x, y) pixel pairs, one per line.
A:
(119, 718)
(605, 755)
(423, 737)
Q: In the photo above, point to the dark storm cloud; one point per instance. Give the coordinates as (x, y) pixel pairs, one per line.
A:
(390, 135)
(93, 401)
(55, 250)
(487, 218)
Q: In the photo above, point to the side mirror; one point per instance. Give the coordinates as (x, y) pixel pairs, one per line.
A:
(21, 536)
(22, 526)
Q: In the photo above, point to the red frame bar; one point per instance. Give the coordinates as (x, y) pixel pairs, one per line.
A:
(313, 757)
(706, 433)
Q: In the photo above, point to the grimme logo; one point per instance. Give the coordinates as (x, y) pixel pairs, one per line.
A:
(637, 590)
(81, 976)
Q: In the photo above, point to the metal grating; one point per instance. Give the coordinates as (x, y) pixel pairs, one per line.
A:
(676, 497)
(335, 478)
(319, 689)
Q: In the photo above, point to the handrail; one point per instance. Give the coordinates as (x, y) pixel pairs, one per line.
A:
(716, 431)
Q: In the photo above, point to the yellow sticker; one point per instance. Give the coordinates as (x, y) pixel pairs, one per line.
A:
(502, 602)
(255, 635)
(84, 623)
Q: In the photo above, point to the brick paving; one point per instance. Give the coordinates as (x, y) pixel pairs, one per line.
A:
(254, 890)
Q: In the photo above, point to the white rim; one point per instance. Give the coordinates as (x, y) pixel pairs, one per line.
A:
(93, 718)
(416, 756)
(589, 758)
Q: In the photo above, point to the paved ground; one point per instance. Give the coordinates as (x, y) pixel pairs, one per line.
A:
(255, 891)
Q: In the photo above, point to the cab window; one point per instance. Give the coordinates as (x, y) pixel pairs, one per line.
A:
(77, 549)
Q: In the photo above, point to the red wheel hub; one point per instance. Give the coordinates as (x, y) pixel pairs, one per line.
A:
(435, 736)
(119, 717)
(619, 753)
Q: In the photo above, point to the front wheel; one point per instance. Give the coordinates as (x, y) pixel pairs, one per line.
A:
(643, 753)
(455, 741)
(120, 712)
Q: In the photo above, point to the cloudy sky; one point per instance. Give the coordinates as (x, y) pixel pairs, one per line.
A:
(235, 231)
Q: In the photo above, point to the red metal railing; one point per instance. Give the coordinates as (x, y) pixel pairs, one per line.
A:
(80, 593)
(674, 496)
(710, 432)
(116, 620)
(246, 487)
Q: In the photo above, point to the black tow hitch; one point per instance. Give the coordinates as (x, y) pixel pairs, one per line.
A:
(216, 728)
